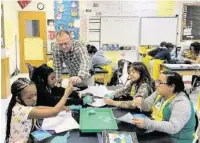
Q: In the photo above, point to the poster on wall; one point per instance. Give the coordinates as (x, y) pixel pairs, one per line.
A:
(67, 17)
(51, 29)
(23, 3)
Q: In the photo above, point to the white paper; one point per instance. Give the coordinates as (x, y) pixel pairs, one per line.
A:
(126, 118)
(98, 91)
(98, 103)
(62, 122)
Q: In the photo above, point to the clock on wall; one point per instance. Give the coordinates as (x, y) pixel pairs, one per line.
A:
(40, 6)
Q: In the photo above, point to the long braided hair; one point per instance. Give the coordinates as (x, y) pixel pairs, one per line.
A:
(16, 89)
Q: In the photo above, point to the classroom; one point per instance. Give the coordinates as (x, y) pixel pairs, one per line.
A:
(100, 71)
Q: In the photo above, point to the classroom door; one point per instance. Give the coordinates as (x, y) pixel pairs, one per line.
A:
(32, 38)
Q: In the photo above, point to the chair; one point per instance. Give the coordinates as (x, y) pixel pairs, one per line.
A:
(195, 82)
(106, 71)
(146, 61)
(156, 68)
(30, 69)
(50, 63)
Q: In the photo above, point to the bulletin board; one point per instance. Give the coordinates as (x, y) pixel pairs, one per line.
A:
(67, 17)
(191, 22)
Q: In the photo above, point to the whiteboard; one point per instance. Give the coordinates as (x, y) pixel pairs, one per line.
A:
(156, 30)
(120, 30)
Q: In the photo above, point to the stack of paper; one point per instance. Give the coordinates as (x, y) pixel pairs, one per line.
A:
(98, 103)
(62, 122)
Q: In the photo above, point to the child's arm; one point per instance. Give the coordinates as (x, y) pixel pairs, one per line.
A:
(125, 90)
(47, 107)
(38, 113)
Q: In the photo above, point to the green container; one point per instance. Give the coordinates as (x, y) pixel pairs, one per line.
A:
(103, 119)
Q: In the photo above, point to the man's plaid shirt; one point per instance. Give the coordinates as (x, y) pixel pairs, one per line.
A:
(77, 60)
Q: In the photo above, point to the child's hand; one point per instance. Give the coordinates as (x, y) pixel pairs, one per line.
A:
(109, 101)
(138, 101)
(66, 108)
(139, 122)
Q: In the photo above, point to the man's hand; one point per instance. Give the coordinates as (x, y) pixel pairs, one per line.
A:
(58, 82)
(74, 80)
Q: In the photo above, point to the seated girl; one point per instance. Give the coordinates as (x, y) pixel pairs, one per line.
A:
(21, 110)
(172, 110)
(48, 93)
(141, 86)
(195, 53)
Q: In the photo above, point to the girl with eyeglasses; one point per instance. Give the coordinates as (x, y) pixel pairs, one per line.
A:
(172, 110)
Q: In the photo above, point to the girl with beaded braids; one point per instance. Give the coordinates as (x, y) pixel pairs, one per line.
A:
(21, 110)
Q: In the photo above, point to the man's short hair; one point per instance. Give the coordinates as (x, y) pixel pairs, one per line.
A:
(62, 32)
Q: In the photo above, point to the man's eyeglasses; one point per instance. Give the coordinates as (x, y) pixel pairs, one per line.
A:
(158, 82)
(65, 44)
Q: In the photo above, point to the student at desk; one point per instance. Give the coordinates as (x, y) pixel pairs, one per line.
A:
(163, 53)
(97, 56)
(49, 94)
(141, 86)
(195, 53)
(21, 110)
(172, 110)
(158, 49)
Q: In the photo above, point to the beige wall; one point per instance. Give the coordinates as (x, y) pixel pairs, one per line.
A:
(11, 9)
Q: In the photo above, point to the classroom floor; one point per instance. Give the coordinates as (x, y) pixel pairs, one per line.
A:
(5, 102)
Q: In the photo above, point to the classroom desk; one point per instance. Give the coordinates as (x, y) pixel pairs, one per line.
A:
(77, 137)
(182, 69)
(99, 73)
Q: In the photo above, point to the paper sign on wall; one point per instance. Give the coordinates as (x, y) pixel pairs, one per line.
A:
(23, 3)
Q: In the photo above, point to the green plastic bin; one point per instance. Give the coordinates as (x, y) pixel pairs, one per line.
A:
(103, 119)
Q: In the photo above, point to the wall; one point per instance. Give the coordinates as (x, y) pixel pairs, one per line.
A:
(11, 9)
(178, 10)
(11, 33)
